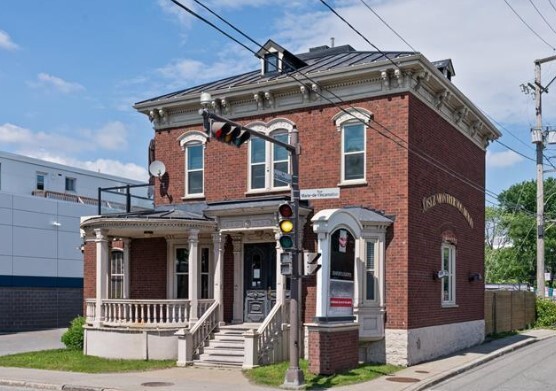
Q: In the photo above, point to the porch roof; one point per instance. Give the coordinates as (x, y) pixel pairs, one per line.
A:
(161, 221)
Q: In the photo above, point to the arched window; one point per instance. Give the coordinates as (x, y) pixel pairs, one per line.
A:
(193, 144)
(265, 158)
(353, 128)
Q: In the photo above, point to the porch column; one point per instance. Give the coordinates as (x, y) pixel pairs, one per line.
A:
(193, 275)
(323, 276)
(101, 274)
(280, 279)
(127, 251)
(218, 274)
(238, 280)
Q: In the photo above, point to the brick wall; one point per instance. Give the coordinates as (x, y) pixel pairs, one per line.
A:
(432, 135)
(89, 273)
(148, 269)
(333, 351)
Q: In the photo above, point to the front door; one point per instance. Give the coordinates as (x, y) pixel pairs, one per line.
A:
(259, 281)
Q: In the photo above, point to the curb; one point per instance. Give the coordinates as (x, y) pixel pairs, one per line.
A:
(473, 364)
(49, 386)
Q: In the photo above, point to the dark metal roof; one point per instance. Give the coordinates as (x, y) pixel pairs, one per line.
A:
(317, 60)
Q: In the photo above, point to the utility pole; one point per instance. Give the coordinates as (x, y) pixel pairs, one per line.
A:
(538, 138)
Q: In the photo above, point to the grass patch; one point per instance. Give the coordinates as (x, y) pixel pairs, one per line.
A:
(502, 334)
(76, 361)
(273, 375)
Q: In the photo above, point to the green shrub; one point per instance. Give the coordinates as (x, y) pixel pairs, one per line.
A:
(546, 313)
(73, 337)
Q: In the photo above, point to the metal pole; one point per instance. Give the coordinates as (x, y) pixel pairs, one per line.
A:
(539, 141)
(294, 376)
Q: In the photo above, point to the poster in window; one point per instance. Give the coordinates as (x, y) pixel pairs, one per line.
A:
(342, 257)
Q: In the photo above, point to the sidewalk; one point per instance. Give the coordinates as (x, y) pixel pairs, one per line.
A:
(418, 377)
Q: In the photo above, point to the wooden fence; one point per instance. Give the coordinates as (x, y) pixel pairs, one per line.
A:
(508, 310)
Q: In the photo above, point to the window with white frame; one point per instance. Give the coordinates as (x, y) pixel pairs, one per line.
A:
(193, 144)
(117, 274)
(194, 167)
(370, 272)
(449, 271)
(352, 124)
(181, 273)
(266, 158)
(353, 152)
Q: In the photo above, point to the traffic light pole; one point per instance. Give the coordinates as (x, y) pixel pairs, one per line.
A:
(294, 376)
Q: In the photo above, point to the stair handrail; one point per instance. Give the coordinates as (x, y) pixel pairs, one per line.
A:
(269, 333)
(202, 329)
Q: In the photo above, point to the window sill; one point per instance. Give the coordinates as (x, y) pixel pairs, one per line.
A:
(267, 191)
(361, 182)
(193, 197)
(449, 305)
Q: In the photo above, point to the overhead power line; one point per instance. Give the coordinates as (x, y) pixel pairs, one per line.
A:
(391, 135)
(542, 16)
(529, 27)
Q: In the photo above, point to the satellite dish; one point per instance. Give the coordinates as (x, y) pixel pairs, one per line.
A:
(157, 168)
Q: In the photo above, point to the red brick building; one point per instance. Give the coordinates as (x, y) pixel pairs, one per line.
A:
(401, 244)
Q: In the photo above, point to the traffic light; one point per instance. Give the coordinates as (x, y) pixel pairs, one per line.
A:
(228, 133)
(286, 223)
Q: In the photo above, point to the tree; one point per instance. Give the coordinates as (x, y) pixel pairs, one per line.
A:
(515, 220)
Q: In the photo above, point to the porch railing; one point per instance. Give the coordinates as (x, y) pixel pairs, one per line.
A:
(144, 313)
(269, 343)
(191, 341)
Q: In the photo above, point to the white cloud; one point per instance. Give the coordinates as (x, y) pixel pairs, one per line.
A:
(502, 159)
(13, 134)
(106, 166)
(44, 80)
(6, 42)
(111, 136)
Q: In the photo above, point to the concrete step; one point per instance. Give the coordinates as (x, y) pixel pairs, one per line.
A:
(226, 344)
(216, 364)
(227, 358)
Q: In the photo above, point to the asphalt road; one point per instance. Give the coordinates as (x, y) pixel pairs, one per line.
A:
(527, 369)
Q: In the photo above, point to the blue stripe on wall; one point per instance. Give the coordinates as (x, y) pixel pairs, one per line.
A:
(40, 282)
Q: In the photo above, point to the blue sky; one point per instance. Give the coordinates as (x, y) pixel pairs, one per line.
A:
(70, 71)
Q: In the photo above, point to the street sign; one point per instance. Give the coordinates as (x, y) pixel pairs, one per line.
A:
(282, 176)
(313, 194)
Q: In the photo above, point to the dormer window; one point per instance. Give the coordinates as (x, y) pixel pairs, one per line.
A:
(277, 60)
(271, 63)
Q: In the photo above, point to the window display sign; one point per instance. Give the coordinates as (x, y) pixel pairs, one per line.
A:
(342, 257)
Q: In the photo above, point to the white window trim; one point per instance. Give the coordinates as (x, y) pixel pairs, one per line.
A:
(451, 275)
(193, 137)
(276, 126)
(353, 116)
(123, 274)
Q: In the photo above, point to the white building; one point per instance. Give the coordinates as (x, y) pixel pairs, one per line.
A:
(41, 264)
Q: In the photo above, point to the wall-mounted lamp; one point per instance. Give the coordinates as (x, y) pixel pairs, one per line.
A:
(475, 277)
(439, 275)
(148, 234)
(56, 224)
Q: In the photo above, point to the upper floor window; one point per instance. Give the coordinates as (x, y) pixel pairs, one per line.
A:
(449, 279)
(41, 181)
(194, 168)
(70, 184)
(193, 144)
(271, 63)
(265, 158)
(353, 128)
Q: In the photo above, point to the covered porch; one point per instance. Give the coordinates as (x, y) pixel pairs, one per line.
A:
(159, 284)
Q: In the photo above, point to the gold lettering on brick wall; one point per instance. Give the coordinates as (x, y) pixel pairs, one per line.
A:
(444, 198)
